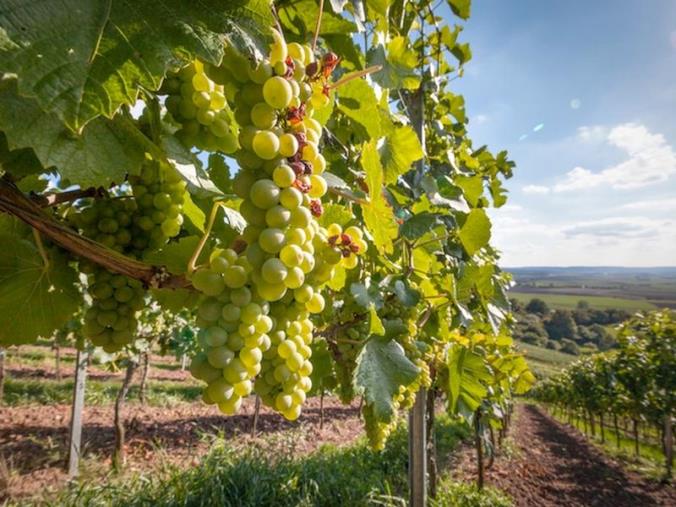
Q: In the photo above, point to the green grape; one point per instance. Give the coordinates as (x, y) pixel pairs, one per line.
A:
(288, 145)
(200, 106)
(264, 193)
(265, 144)
(283, 175)
(277, 92)
(263, 116)
(274, 271)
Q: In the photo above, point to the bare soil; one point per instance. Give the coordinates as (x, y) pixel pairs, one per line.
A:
(552, 464)
(34, 438)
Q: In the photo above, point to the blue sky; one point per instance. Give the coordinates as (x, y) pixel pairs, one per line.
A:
(582, 93)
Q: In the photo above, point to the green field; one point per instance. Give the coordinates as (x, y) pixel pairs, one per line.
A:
(545, 362)
(569, 301)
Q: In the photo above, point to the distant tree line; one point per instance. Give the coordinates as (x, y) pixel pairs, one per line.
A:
(566, 330)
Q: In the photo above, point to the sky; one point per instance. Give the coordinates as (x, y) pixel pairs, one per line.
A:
(582, 94)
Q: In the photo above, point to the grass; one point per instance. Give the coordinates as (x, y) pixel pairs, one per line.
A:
(569, 301)
(47, 392)
(545, 362)
(256, 476)
(650, 462)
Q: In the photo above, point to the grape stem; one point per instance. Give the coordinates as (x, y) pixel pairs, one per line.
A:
(355, 75)
(41, 248)
(192, 263)
(318, 25)
(16, 203)
(433, 240)
(347, 196)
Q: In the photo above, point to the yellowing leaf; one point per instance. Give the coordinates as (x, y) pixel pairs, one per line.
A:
(375, 324)
(378, 215)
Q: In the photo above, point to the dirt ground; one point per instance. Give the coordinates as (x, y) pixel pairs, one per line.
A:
(552, 464)
(33, 439)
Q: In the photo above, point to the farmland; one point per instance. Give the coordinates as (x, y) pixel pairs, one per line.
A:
(621, 288)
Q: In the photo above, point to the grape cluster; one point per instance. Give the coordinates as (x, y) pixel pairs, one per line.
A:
(130, 225)
(110, 322)
(286, 256)
(201, 107)
(234, 330)
(160, 193)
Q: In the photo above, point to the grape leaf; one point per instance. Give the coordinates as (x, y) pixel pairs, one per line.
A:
(472, 188)
(418, 225)
(398, 65)
(367, 294)
(175, 300)
(322, 362)
(467, 372)
(81, 59)
(400, 148)
(190, 168)
(337, 281)
(18, 163)
(461, 8)
(335, 214)
(375, 324)
(378, 215)
(301, 18)
(381, 368)
(357, 100)
(476, 231)
(194, 214)
(174, 255)
(102, 154)
(35, 300)
(405, 294)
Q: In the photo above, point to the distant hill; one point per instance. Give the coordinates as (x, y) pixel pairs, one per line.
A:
(601, 286)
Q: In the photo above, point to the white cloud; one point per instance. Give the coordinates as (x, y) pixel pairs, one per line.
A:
(651, 160)
(535, 189)
(620, 241)
(619, 227)
(652, 205)
(596, 133)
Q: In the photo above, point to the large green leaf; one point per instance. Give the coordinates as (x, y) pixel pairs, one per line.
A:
(419, 225)
(476, 231)
(19, 163)
(400, 148)
(82, 58)
(34, 300)
(357, 100)
(381, 368)
(398, 65)
(468, 375)
(102, 154)
(378, 215)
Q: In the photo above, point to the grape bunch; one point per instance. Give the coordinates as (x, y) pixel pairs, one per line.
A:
(160, 193)
(200, 106)
(286, 256)
(234, 330)
(132, 225)
(110, 322)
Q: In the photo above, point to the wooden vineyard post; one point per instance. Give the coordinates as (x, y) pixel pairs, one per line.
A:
(75, 443)
(417, 438)
(668, 446)
(254, 423)
(417, 455)
(2, 374)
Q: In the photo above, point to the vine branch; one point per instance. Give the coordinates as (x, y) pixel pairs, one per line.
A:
(16, 203)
